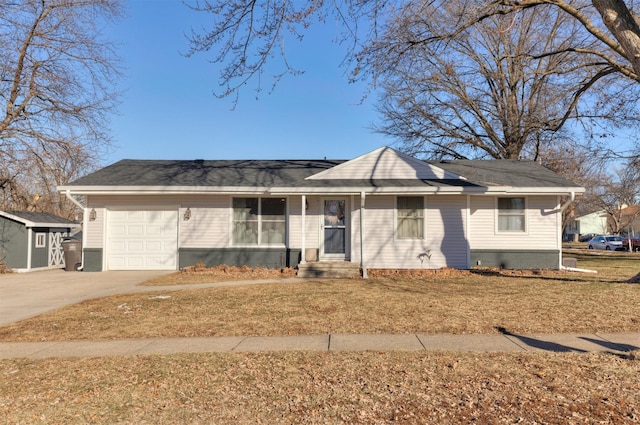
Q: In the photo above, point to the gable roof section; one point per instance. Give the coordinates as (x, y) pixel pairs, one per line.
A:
(38, 219)
(385, 164)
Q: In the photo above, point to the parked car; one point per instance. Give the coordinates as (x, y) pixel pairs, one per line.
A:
(633, 242)
(609, 243)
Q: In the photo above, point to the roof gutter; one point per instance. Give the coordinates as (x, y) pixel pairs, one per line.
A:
(281, 191)
(67, 193)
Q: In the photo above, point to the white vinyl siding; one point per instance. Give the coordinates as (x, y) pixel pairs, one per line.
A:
(384, 163)
(94, 230)
(542, 216)
(447, 231)
(312, 222)
(447, 247)
(208, 226)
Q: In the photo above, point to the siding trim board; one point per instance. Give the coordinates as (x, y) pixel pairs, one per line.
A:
(233, 256)
(515, 259)
(93, 260)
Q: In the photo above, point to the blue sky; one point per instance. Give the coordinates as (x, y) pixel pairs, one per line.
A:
(168, 110)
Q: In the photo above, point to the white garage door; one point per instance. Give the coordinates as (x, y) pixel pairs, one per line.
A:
(142, 240)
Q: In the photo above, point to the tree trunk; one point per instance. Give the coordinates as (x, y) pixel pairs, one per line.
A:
(618, 19)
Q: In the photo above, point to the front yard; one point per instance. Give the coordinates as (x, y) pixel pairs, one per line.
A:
(356, 388)
(447, 302)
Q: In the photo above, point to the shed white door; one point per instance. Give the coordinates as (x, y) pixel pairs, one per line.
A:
(142, 240)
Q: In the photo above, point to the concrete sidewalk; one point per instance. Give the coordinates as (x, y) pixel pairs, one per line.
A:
(619, 344)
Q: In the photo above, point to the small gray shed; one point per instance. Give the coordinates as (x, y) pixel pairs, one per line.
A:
(33, 240)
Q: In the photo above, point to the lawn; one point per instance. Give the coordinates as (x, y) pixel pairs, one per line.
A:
(436, 387)
(324, 388)
(456, 302)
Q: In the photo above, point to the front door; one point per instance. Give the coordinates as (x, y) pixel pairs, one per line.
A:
(334, 229)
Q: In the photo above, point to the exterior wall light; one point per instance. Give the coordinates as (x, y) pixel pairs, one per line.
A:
(92, 214)
(187, 214)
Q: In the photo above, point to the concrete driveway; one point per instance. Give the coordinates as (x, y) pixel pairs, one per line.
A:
(24, 295)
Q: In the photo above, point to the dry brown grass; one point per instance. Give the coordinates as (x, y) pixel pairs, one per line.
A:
(324, 388)
(201, 274)
(426, 387)
(4, 269)
(523, 302)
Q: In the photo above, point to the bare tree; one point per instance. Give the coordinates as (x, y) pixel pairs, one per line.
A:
(613, 193)
(43, 171)
(56, 91)
(579, 50)
(490, 90)
(246, 36)
(611, 25)
(614, 26)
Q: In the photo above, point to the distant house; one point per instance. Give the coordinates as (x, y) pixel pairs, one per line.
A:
(383, 210)
(630, 220)
(32, 240)
(592, 223)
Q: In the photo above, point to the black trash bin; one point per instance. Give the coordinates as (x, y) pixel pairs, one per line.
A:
(72, 254)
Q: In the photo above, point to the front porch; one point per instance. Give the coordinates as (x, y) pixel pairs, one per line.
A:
(329, 269)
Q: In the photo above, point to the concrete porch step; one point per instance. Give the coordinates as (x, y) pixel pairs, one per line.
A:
(329, 269)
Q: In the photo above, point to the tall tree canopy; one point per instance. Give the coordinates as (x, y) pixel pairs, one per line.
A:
(57, 79)
(489, 90)
(526, 77)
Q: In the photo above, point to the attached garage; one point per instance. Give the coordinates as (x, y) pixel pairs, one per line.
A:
(142, 240)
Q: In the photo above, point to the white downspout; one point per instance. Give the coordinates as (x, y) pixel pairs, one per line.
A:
(562, 209)
(565, 206)
(303, 238)
(84, 230)
(362, 262)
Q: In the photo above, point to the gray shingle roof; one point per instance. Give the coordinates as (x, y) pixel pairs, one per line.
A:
(41, 218)
(292, 173)
(205, 173)
(505, 172)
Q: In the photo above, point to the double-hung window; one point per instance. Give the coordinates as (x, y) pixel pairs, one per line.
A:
(410, 216)
(259, 221)
(511, 215)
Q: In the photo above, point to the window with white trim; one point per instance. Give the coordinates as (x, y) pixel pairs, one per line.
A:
(511, 215)
(410, 217)
(259, 221)
(41, 240)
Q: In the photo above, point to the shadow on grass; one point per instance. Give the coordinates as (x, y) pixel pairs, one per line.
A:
(540, 344)
(538, 275)
(624, 351)
(611, 345)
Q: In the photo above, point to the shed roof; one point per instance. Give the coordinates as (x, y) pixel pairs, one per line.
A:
(38, 219)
